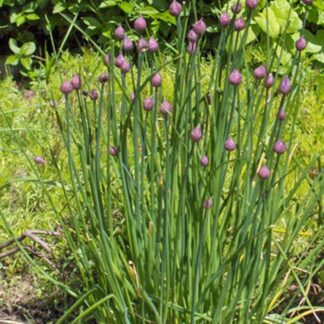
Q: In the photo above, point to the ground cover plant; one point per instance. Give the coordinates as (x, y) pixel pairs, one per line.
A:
(204, 175)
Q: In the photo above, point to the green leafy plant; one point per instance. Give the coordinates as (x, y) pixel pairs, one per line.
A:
(22, 55)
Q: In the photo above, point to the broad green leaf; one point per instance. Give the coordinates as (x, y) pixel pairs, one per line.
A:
(13, 46)
(149, 11)
(91, 22)
(285, 57)
(28, 48)
(312, 44)
(286, 15)
(12, 60)
(108, 4)
(26, 62)
(32, 16)
(274, 27)
(126, 7)
(320, 58)
(59, 7)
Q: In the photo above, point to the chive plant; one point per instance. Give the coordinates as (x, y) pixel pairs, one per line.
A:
(199, 179)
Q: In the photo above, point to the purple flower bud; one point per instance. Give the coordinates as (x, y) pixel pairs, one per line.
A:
(140, 24)
(301, 43)
(207, 203)
(156, 80)
(281, 114)
(285, 86)
(120, 32)
(251, 4)
(268, 82)
(76, 81)
(235, 78)
(308, 2)
(239, 24)
(39, 160)
(280, 147)
(94, 94)
(196, 134)
(229, 144)
(152, 45)
(175, 8)
(148, 104)
(132, 97)
(224, 19)
(113, 150)
(120, 59)
(191, 48)
(125, 67)
(199, 27)
(66, 87)
(107, 59)
(204, 160)
(260, 72)
(128, 45)
(264, 172)
(103, 77)
(236, 8)
(142, 45)
(192, 36)
(165, 108)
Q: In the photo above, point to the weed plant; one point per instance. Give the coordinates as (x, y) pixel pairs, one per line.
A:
(208, 221)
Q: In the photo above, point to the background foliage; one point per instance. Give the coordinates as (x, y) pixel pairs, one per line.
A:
(25, 25)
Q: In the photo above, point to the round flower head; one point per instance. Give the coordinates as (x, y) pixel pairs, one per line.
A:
(165, 108)
(301, 43)
(196, 134)
(224, 19)
(132, 97)
(156, 80)
(140, 24)
(94, 94)
(268, 82)
(260, 72)
(120, 59)
(148, 104)
(125, 67)
(207, 203)
(199, 27)
(152, 45)
(76, 81)
(280, 147)
(107, 59)
(142, 45)
(191, 48)
(235, 78)
(285, 86)
(39, 160)
(239, 24)
(281, 114)
(308, 2)
(103, 77)
(120, 32)
(66, 87)
(204, 160)
(175, 8)
(229, 144)
(192, 36)
(236, 8)
(128, 45)
(113, 150)
(251, 4)
(264, 172)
